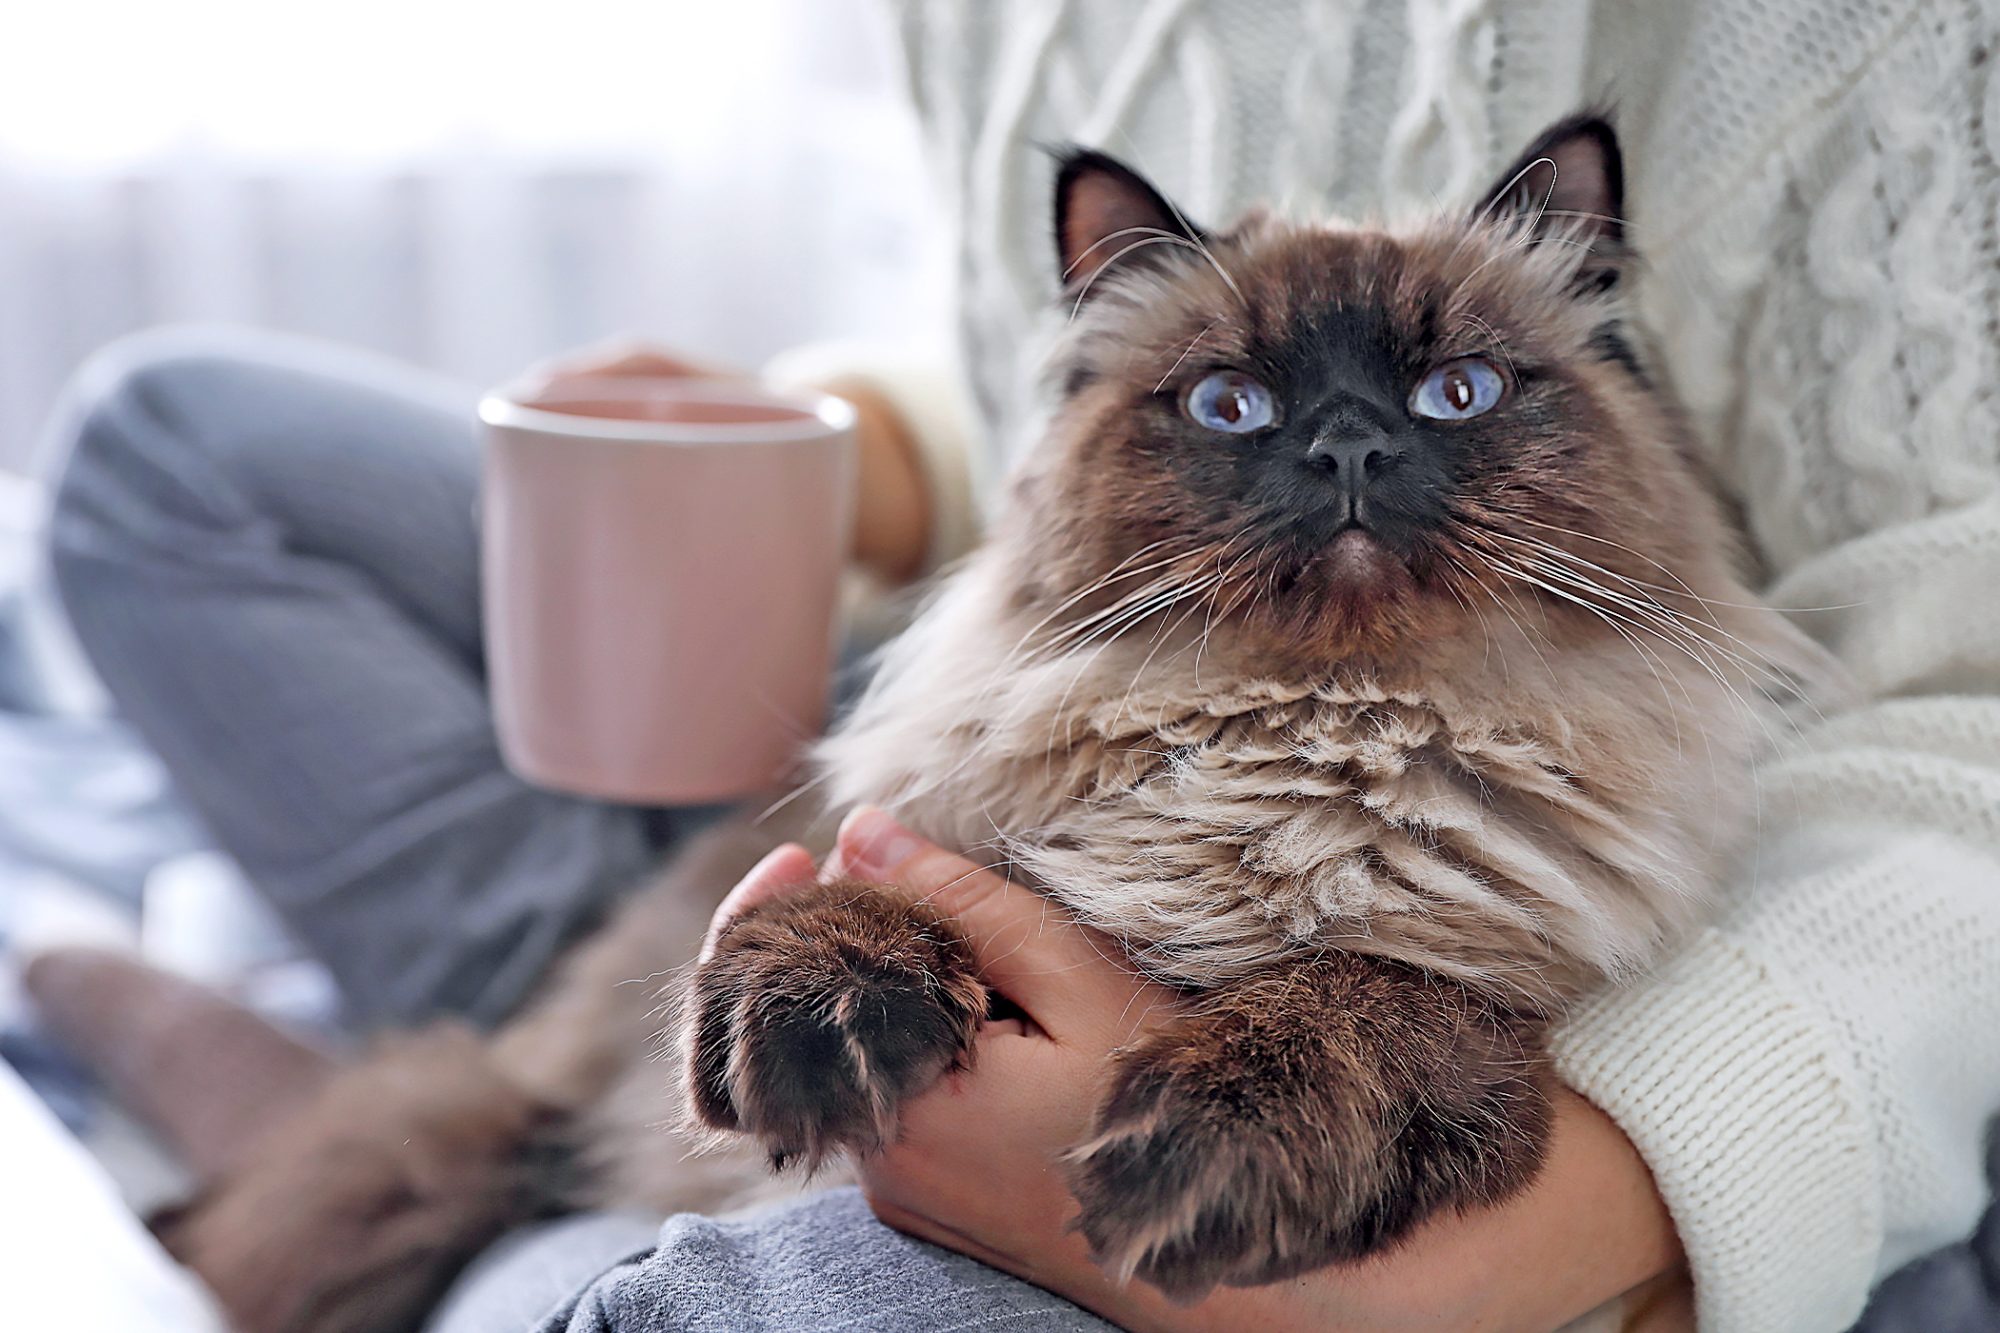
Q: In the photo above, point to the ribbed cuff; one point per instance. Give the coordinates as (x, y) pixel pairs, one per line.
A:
(935, 406)
(1742, 1105)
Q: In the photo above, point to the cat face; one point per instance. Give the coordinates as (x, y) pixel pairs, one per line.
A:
(1344, 438)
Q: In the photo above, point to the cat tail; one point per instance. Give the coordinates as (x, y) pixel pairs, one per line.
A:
(326, 1196)
(355, 1213)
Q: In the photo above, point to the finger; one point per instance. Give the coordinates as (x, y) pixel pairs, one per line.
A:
(782, 870)
(892, 1214)
(1020, 1091)
(628, 356)
(1027, 946)
(652, 362)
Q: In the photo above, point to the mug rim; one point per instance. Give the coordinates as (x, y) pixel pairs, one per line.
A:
(821, 414)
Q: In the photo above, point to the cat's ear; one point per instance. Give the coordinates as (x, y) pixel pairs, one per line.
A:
(1106, 214)
(1570, 183)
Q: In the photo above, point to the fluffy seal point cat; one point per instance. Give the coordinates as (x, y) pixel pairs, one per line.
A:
(1361, 650)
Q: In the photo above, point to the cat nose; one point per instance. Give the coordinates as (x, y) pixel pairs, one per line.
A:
(1351, 462)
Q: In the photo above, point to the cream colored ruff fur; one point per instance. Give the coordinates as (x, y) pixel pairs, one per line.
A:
(1525, 808)
(1520, 815)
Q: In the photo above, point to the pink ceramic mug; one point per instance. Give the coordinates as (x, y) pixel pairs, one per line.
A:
(661, 565)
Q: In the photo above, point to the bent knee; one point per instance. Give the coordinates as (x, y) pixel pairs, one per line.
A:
(142, 402)
(165, 372)
(135, 433)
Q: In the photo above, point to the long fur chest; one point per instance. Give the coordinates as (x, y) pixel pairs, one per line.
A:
(1531, 844)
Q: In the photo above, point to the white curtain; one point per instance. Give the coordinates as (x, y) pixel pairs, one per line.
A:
(470, 186)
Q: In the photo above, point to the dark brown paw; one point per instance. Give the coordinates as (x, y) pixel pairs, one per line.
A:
(817, 1015)
(1270, 1136)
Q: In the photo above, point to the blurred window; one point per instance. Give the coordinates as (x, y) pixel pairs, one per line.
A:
(465, 185)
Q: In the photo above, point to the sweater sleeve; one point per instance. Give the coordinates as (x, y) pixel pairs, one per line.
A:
(926, 391)
(1810, 1078)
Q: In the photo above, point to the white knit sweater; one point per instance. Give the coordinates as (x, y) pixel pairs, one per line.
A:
(1813, 187)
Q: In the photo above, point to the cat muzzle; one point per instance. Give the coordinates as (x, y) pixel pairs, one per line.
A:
(1352, 464)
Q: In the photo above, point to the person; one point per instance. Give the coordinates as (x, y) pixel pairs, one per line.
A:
(1791, 1107)
(306, 656)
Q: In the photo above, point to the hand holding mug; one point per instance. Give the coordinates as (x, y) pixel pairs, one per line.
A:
(892, 520)
(629, 357)
(661, 564)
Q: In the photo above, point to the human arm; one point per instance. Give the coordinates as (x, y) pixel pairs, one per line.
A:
(913, 434)
(977, 1165)
(1810, 1078)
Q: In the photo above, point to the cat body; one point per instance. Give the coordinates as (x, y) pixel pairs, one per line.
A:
(1518, 813)
(1359, 649)
(1174, 733)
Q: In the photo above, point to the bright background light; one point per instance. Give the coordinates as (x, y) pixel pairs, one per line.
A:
(468, 186)
(96, 83)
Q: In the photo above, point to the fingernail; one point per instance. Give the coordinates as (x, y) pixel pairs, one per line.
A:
(762, 869)
(753, 889)
(875, 845)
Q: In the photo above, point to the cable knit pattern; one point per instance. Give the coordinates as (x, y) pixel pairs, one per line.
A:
(1440, 137)
(1814, 191)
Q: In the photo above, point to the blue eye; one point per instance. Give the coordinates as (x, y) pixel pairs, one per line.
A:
(1231, 402)
(1458, 390)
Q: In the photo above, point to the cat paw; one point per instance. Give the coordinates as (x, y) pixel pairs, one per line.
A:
(1251, 1145)
(817, 1015)
(1182, 1189)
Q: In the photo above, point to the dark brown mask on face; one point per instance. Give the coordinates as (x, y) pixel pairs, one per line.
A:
(1351, 436)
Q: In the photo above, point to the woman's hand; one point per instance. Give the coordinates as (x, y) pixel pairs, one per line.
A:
(627, 357)
(978, 1167)
(892, 507)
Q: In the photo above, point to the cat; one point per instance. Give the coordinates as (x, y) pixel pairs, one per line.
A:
(1359, 647)
(1361, 650)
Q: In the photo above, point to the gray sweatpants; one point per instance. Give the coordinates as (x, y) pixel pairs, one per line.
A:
(268, 549)
(814, 1266)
